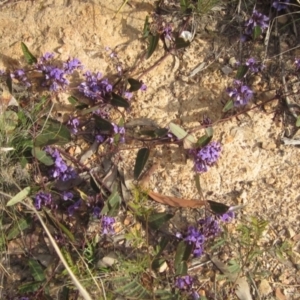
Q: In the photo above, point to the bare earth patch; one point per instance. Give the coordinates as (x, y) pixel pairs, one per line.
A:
(255, 168)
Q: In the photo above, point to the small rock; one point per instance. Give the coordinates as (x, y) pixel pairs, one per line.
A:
(226, 70)
(232, 62)
(163, 267)
(264, 288)
(108, 260)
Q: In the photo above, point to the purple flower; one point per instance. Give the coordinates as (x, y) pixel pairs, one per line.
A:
(297, 63)
(253, 65)
(2, 72)
(209, 227)
(99, 138)
(167, 32)
(128, 95)
(96, 212)
(47, 56)
(143, 87)
(95, 87)
(71, 65)
(241, 94)
(227, 217)
(107, 225)
(20, 75)
(60, 170)
(280, 5)
(184, 282)
(67, 196)
(41, 199)
(73, 207)
(257, 19)
(74, 123)
(196, 238)
(206, 156)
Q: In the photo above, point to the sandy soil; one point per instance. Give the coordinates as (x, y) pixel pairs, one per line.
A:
(255, 168)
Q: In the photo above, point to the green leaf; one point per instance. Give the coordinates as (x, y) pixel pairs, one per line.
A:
(161, 132)
(298, 122)
(217, 207)
(21, 225)
(156, 220)
(42, 156)
(9, 83)
(180, 133)
(209, 131)
(8, 121)
(118, 101)
(36, 270)
(112, 204)
(55, 223)
(73, 100)
(140, 162)
(19, 197)
(157, 263)
(241, 71)
(204, 140)
(53, 133)
(162, 245)
(103, 125)
(153, 42)
(181, 269)
(181, 43)
(29, 287)
(183, 253)
(30, 59)
(135, 85)
(228, 106)
(146, 29)
(256, 32)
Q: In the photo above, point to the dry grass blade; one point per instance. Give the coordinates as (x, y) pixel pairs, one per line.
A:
(76, 282)
(176, 202)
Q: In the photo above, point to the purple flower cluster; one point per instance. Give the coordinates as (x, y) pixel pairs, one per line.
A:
(73, 123)
(21, 76)
(55, 78)
(254, 66)
(195, 237)
(280, 5)
(206, 228)
(95, 86)
(41, 199)
(119, 130)
(240, 93)
(206, 156)
(184, 282)
(257, 19)
(107, 225)
(60, 170)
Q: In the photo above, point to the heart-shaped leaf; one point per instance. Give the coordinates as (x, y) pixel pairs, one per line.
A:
(103, 125)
